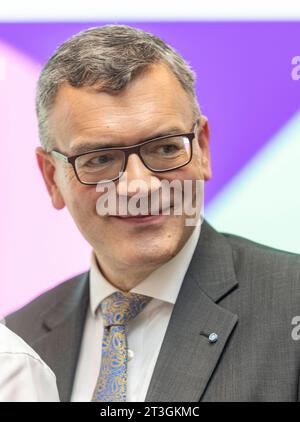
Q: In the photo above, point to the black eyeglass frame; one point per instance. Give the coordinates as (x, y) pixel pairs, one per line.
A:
(128, 150)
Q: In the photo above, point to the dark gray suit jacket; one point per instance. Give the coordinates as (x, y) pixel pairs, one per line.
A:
(245, 292)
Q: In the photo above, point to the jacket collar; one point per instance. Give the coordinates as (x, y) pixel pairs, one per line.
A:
(187, 358)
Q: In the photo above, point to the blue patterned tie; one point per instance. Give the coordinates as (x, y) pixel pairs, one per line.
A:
(117, 310)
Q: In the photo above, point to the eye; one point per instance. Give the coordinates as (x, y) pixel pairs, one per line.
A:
(100, 160)
(164, 148)
(168, 148)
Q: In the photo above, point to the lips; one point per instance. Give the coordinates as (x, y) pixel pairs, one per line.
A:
(134, 216)
(137, 216)
(148, 219)
(143, 215)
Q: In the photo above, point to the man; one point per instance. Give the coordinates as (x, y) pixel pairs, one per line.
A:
(169, 311)
(23, 375)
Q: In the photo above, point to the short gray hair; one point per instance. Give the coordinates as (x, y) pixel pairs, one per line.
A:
(109, 57)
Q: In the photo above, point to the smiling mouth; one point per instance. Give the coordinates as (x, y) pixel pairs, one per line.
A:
(141, 216)
(142, 219)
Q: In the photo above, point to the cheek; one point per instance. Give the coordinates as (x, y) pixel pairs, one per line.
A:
(196, 171)
(196, 163)
(66, 181)
(192, 171)
(80, 199)
(69, 176)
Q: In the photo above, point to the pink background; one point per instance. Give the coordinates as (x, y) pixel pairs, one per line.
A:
(39, 246)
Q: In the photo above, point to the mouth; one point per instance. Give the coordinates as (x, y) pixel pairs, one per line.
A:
(142, 218)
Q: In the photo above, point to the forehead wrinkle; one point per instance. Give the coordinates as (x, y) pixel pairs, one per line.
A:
(105, 115)
(83, 113)
(78, 102)
(119, 127)
(81, 145)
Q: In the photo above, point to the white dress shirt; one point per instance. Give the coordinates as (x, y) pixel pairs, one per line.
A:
(145, 332)
(23, 375)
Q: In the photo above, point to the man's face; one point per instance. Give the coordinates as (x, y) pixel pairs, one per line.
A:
(152, 104)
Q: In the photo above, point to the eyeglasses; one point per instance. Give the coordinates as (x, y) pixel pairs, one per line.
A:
(104, 165)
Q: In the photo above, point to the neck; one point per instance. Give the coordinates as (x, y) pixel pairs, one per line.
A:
(123, 278)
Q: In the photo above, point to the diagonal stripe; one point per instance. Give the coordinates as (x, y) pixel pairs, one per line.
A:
(245, 90)
(262, 202)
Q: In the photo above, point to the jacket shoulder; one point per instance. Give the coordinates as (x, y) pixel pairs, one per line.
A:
(264, 261)
(30, 315)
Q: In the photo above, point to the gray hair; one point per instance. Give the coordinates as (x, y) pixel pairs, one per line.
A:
(108, 57)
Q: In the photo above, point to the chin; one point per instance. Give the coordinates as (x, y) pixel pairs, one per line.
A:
(151, 256)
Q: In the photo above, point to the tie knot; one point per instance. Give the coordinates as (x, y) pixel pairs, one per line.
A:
(119, 308)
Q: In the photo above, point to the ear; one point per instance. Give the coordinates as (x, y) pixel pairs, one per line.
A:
(47, 167)
(203, 140)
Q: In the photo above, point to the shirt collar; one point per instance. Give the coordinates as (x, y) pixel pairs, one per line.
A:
(163, 284)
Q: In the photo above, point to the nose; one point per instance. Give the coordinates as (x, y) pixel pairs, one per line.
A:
(137, 179)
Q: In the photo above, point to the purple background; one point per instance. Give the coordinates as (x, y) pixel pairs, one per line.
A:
(244, 87)
(243, 71)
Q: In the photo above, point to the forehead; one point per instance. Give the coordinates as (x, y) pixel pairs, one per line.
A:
(153, 100)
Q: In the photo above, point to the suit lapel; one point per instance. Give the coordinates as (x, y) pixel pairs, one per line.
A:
(61, 345)
(187, 358)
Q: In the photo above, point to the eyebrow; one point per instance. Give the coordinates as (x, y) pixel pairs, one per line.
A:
(86, 146)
